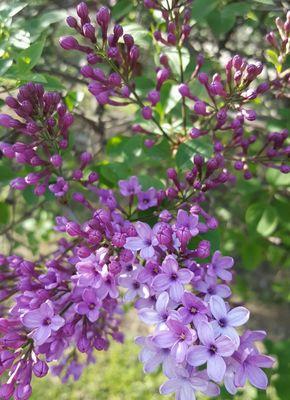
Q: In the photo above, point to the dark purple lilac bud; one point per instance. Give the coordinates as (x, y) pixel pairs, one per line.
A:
(77, 174)
(87, 71)
(113, 52)
(83, 252)
(101, 344)
(200, 107)
(263, 87)
(73, 229)
(82, 10)
(285, 169)
(198, 160)
(128, 40)
(6, 391)
(85, 159)
(172, 193)
(115, 79)
(164, 234)
(68, 43)
(153, 97)
(172, 174)
(134, 53)
(56, 160)
(32, 178)
(165, 216)
(195, 133)
(71, 22)
(171, 38)
(40, 189)
(184, 90)
(147, 112)
(103, 16)
(18, 184)
(271, 38)
(218, 147)
(200, 60)
(93, 177)
(63, 144)
(247, 175)
(89, 32)
(7, 150)
(163, 59)
(9, 122)
(211, 166)
(11, 102)
(67, 121)
(162, 75)
(40, 368)
(149, 143)
(250, 115)
(203, 78)
(237, 62)
(203, 249)
(93, 59)
(83, 344)
(212, 223)
(118, 31)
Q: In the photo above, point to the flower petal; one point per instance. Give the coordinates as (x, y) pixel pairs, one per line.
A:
(217, 307)
(225, 346)
(205, 333)
(164, 339)
(161, 282)
(143, 230)
(41, 334)
(238, 316)
(134, 243)
(185, 275)
(176, 291)
(256, 376)
(197, 356)
(149, 316)
(162, 302)
(170, 386)
(216, 368)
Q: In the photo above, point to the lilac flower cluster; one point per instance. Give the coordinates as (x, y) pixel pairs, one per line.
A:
(71, 302)
(42, 121)
(74, 300)
(183, 298)
(225, 115)
(222, 112)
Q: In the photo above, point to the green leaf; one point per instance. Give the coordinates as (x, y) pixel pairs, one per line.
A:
(253, 214)
(140, 34)
(28, 58)
(201, 8)
(174, 58)
(6, 173)
(4, 213)
(36, 26)
(122, 8)
(277, 178)
(272, 57)
(150, 181)
(268, 222)
(186, 152)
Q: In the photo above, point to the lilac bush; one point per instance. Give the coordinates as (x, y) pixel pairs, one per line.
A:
(62, 309)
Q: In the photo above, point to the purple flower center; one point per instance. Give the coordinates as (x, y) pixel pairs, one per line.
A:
(47, 321)
(193, 310)
(136, 285)
(173, 276)
(212, 349)
(182, 336)
(211, 290)
(92, 306)
(222, 322)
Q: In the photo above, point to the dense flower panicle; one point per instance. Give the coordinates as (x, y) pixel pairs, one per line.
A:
(75, 300)
(43, 122)
(144, 246)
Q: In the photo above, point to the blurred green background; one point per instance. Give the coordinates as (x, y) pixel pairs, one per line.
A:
(254, 215)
